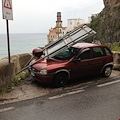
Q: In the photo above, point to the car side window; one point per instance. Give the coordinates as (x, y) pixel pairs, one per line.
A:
(97, 52)
(107, 52)
(85, 54)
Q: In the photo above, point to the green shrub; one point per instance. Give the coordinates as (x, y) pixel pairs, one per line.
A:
(15, 82)
(113, 46)
(95, 22)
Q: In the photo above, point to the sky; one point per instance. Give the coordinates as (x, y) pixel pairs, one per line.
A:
(38, 16)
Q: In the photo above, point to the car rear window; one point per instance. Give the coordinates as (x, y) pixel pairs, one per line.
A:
(107, 51)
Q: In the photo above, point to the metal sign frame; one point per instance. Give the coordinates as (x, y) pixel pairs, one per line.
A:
(79, 34)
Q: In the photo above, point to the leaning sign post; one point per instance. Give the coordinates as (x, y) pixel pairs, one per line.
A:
(7, 15)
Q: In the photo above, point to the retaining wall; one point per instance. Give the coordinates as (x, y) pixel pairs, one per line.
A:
(17, 63)
(116, 60)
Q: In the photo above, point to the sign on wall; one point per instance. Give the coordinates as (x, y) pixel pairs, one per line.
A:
(7, 9)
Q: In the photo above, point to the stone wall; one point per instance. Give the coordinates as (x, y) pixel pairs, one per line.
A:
(17, 63)
(116, 60)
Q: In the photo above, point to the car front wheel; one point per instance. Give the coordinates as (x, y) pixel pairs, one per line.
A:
(107, 71)
(61, 79)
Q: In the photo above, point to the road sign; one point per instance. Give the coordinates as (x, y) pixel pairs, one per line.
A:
(7, 9)
(8, 15)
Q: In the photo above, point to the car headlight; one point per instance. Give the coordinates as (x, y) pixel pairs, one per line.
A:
(43, 72)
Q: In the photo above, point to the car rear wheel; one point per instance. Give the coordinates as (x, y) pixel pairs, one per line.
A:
(61, 79)
(107, 71)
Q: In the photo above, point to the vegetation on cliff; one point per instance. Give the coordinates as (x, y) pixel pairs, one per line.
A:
(107, 23)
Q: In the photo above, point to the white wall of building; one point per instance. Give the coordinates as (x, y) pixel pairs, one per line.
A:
(72, 23)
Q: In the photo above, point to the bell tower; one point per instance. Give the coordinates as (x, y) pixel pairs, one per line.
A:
(58, 25)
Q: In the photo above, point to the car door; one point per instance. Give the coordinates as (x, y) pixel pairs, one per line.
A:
(98, 60)
(82, 64)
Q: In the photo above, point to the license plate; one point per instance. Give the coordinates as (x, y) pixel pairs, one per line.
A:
(32, 74)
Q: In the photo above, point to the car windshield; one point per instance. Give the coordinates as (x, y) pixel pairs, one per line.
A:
(67, 54)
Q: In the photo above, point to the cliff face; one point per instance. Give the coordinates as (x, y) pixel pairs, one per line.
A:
(107, 24)
(111, 3)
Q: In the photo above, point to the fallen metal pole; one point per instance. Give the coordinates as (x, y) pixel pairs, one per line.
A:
(29, 61)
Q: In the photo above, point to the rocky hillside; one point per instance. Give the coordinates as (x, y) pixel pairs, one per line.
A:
(107, 24)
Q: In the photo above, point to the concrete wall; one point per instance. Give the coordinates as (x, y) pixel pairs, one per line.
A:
(17, 63)
(116, 60)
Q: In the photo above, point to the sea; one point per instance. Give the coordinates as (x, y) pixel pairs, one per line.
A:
(21, 43)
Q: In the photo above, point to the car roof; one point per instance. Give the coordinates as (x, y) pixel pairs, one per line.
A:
(84, 45)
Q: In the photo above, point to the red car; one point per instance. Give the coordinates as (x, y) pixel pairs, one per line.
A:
(82, 59)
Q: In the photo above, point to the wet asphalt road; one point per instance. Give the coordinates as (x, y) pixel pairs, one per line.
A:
(97, 101)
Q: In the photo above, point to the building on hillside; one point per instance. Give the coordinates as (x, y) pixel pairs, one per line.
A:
(73, 23)
(52, 35)
(58, 25)
(58, 31)
(90, 17)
